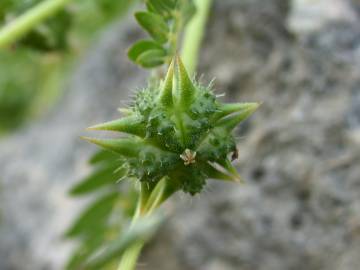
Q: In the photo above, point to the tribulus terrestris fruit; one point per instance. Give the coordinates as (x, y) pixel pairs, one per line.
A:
(177, 129)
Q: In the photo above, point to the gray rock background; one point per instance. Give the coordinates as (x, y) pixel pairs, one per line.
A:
(299, 154)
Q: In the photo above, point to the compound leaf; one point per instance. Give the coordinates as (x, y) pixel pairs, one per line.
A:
(154, 24)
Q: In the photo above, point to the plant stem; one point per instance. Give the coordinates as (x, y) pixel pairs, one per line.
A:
(130, 256)
(194, 34)
(23, 24)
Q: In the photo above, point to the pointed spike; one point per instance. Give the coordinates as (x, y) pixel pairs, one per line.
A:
(125, 111)
(237, 178)
(218, 172)
(229, 108)
(232, 121)
(131, 124)
(166, 95)
(231, 170)
(186, 87)
(122, 146)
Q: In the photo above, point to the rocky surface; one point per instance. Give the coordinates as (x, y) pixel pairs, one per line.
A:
(299, 154)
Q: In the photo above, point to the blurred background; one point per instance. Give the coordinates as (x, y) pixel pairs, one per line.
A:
(299, 153)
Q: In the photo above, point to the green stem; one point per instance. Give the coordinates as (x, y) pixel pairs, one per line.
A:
(145, 208)
(194, 34)
(174, 36)
(23, 24)
(130, 257)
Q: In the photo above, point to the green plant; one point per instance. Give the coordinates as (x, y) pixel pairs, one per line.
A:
(176, 135)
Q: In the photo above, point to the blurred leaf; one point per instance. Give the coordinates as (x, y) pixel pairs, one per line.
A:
(87, 248)
(139, 231)
(5, 5)
(95, 217)
(154, 24)
(141, 46)
(105, 175)
(151, 58)
(103, 155)
(50, 35)
(17, 89)
(162, 7)
(111, 8)
(84, 18)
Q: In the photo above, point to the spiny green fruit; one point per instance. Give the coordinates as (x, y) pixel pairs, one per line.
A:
(177, 129)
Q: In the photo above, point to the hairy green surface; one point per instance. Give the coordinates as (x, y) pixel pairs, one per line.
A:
(178, 130)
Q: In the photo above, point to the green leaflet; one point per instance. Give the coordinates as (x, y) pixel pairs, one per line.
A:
(168, 8)
(162, 7)
(151, 58)
(154, 24)
(103, 176)
(143, 46)
(99, 224)
(83, 252)
(95, 217)
(140, 231)
(103, 156)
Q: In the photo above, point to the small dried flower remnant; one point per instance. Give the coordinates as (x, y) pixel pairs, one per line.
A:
(188, 157)
(168, 119)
